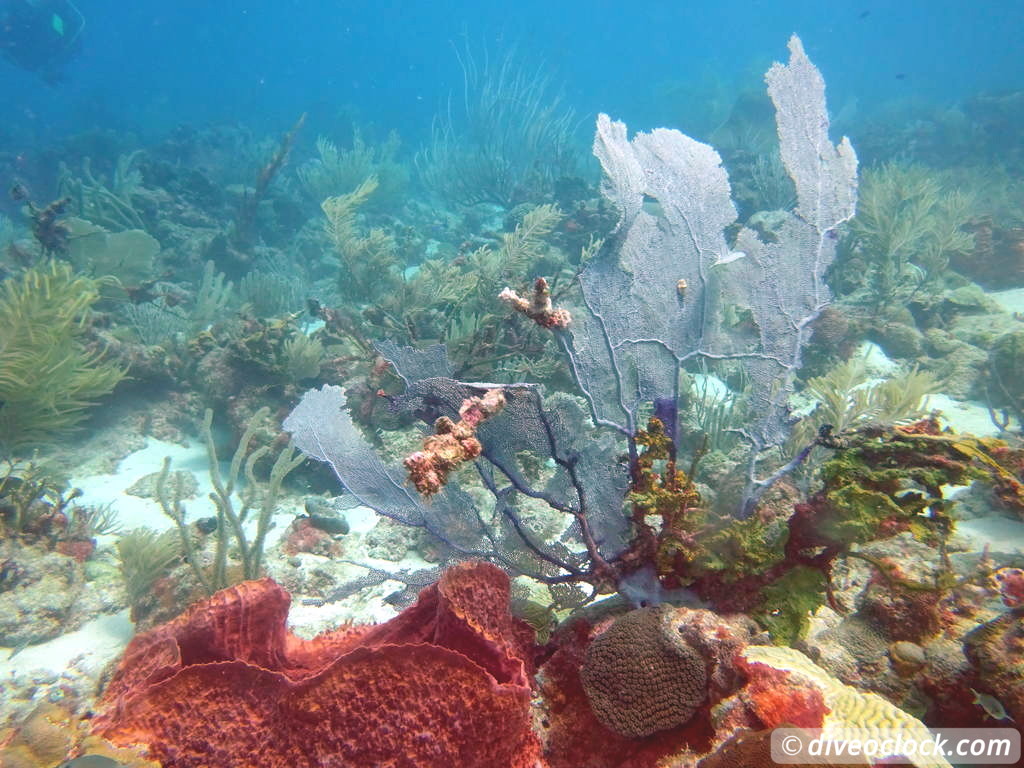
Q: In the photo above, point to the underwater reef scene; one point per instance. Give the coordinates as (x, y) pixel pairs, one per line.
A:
(535, 439)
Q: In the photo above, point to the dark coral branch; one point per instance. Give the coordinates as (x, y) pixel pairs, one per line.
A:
(247, 213)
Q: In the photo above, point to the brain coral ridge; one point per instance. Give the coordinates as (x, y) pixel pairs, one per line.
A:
(445, 683)
(641, 677)
(848, 707)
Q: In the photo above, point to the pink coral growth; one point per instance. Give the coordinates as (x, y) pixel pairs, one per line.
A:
(538, 307)
(1011, 586)
(453, 443)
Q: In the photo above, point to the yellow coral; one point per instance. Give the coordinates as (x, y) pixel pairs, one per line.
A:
(44, 739)
(129, 758)
(868, 713)
(50, 372)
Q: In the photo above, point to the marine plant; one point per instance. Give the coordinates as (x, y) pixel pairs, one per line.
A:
(506, 142)
(716, 413)
(48, 229)
(336, 170)
(276, 348)
(128, 254)
(470, 326)
(37, 507)
(900, 242)
(51, 373)
(29, 491)
(303, 356)
(846, 396)
(146, 555)
(1005, 389)
(105, 203)
(878, 481)
(447, 301)
(270, 294)
(7, 231)
(245, 222)
(370, 266)
(254, 497)
(154, 322)
(213, 295)
(85, 522)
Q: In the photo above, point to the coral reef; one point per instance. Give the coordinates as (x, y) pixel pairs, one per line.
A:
(754, 748)
(51, 733)
(645, 320)
(700, 462)
(303, 536)
(995, 649)
(44, 739)
(572, 733)
(844, 706)
(40, 594)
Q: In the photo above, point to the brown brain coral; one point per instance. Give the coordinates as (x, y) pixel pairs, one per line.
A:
(641, 677)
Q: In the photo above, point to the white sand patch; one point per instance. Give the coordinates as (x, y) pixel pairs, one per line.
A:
(135, 512)
(878, 364)
(1011, 300)
(1003, 537)
(88, 650)
(965, 417)
(365, 607)
(361, 520)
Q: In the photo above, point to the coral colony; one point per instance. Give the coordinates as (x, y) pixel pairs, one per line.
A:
(626, 353)
(681, 490)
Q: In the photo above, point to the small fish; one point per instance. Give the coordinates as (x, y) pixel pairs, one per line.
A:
(901, 75)
(729, 258)
(19, 648)
(863, 14)
(91, 761)
(993, 707)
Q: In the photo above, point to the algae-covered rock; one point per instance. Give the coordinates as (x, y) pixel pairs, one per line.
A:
(898, 339)
(127, 255)
(181, 481)
(962, 364)
(1006, 364)
(983, 330)
(40, 603)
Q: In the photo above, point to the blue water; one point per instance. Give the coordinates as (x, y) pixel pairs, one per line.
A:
(147, 66)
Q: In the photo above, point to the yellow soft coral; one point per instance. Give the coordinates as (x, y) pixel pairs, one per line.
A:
(849, 708)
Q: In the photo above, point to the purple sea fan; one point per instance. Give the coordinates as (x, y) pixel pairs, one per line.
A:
(653, 303)
(639, 333)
